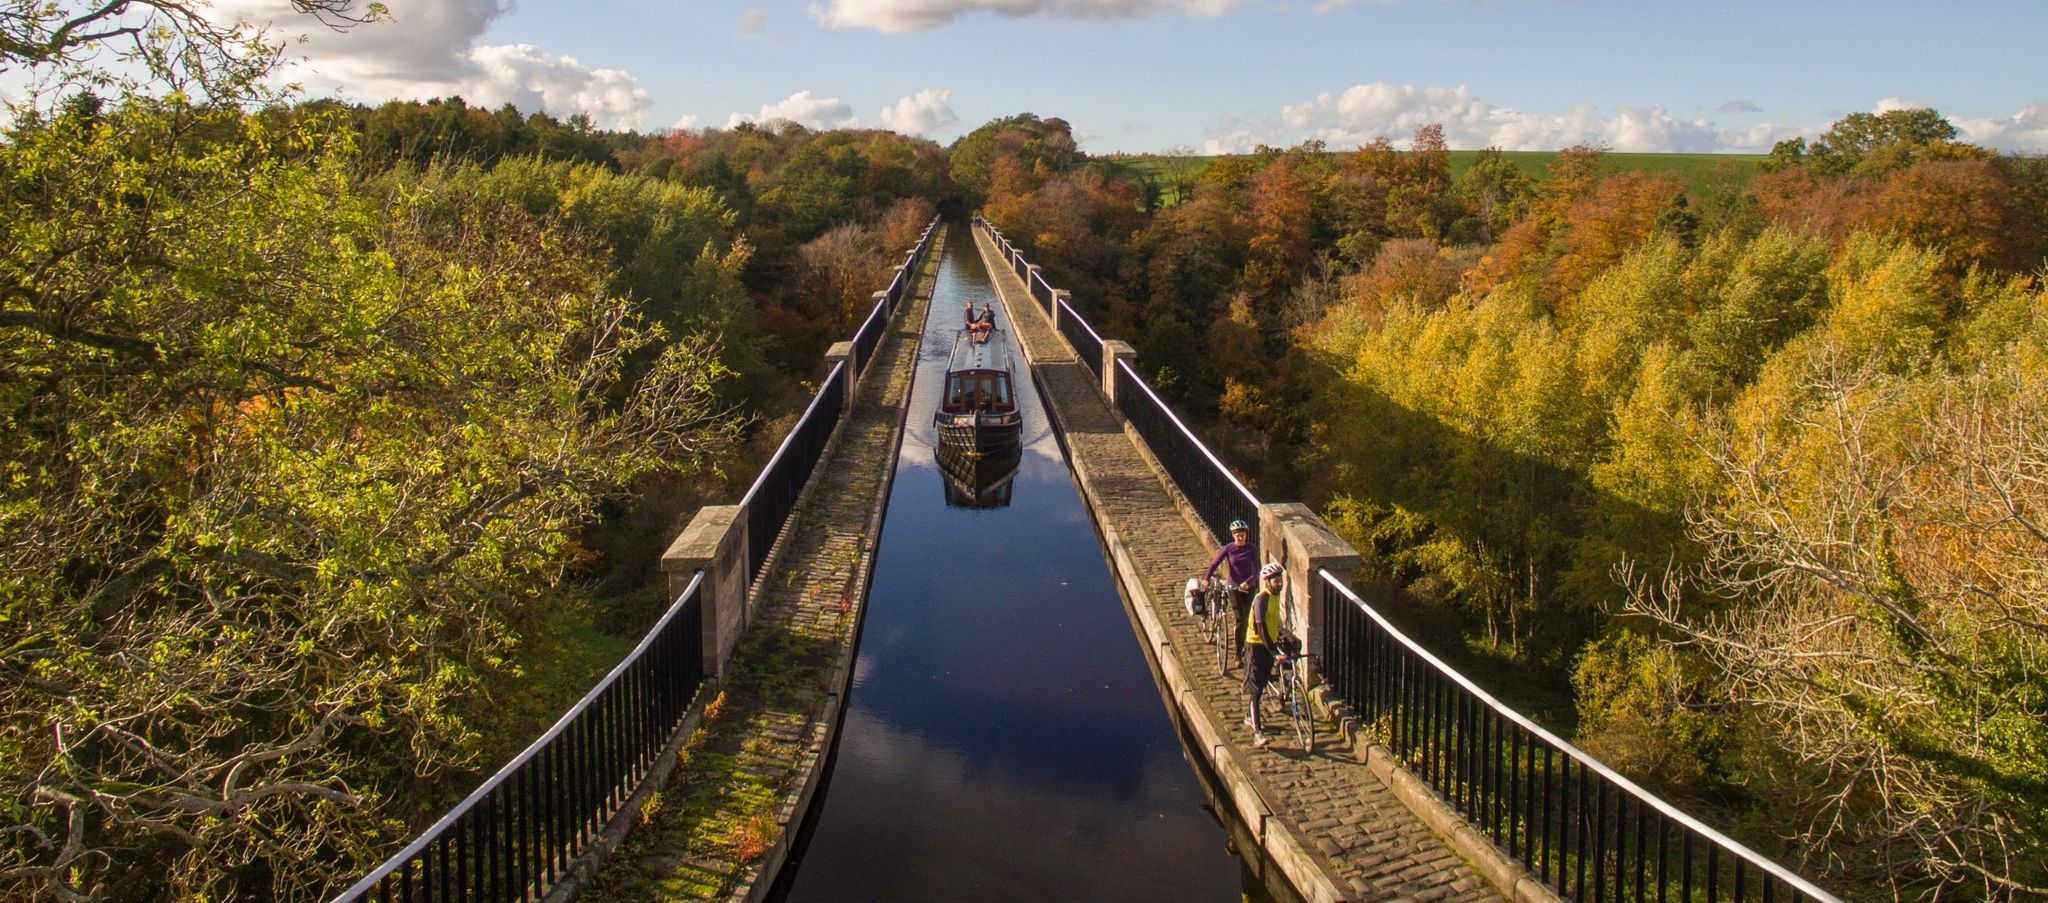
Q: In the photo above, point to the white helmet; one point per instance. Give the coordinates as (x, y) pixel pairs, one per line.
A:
(1271, 570)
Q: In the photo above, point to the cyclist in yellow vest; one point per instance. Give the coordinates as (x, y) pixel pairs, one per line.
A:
(1262, 643)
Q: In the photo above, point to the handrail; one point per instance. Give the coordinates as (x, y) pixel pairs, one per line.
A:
(1190, 434)
(532, 750)
(783, 449)
(1585, 761)
(773, 496)
(869, 336)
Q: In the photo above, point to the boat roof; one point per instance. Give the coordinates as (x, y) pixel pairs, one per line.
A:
(969, 355)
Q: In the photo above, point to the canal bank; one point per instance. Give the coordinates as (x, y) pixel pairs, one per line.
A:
(744, 780)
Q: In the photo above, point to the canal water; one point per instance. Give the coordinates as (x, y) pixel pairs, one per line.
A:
(1004, 739)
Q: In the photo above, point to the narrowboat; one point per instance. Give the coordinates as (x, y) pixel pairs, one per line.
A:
(978, 411)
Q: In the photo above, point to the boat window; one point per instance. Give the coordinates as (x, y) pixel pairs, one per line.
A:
(1002, 392)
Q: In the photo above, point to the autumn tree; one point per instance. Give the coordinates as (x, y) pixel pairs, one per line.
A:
(1277, 232)
(1871, 611)
(290, 477)
(1047, 144)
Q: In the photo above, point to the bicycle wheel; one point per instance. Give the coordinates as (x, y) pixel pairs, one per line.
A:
(1219, 631)
(1303, 710)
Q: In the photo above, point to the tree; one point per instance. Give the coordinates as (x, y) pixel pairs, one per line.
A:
(1871, 612)
(1857, 135)
(288, 469)
(173, 42)
(1498, 190)
(1277, 234)
(1046, 143)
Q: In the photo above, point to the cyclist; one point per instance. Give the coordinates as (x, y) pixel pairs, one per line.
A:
(1263, 643)
(1244, 563)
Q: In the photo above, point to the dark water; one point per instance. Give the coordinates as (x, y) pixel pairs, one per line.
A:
(1004, 739)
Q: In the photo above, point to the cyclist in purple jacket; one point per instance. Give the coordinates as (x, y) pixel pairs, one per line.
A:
(1243, 572)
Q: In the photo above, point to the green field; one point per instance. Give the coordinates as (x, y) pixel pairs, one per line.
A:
(1701, 173)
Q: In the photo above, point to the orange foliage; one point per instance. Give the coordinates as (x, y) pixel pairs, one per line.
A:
(1413, 268)
(1278, 246)
(1602, 225)
(1527, 246)
(1962, 208)
(1519, 251)
(1011, 184)
(1802, 202)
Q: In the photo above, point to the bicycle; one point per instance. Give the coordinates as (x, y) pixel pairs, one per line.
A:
(1218, 625)
(1292, 682)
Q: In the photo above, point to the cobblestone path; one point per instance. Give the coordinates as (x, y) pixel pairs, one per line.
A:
(747, 772)
(1376, 847)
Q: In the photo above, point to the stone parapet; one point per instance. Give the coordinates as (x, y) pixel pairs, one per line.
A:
(715, 542)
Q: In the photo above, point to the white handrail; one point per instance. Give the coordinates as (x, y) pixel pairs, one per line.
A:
(441, 825)
(1206, 453)
(1726, 842)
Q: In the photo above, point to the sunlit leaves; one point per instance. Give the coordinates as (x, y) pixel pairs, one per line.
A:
(288, 467)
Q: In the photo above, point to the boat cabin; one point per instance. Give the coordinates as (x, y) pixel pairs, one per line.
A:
(977, 390)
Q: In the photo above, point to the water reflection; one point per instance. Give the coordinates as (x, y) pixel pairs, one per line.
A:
(1004, 739)
(979, 481)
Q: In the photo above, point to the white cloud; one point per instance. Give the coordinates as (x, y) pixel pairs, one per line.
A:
(924, 15)
(1894, 103)
(430, 49)
(2022, 132)
(752, 23)
(1362, 113)
(803, 109)
(684, 124)
(1328, 6)
(523, 75)
(923, 113)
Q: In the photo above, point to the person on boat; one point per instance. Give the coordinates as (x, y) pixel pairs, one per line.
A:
(1243, 569)
(980, 326)
(1263, 645)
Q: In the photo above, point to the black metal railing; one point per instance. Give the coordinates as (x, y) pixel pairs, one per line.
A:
(1216, 494)
(1082, 336)
(1041, 291)
(869, 336)
(774, 493)
(514, 838)
(894, 294)
(1573, 823)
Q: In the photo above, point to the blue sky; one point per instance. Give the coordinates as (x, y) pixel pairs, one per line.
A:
(1223, 75)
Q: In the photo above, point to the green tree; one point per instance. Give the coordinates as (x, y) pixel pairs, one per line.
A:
(1047, 143)
(1858, 135)
(288, 470)
(1498, 191)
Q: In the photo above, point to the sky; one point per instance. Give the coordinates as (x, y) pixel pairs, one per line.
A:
(1216, 76)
